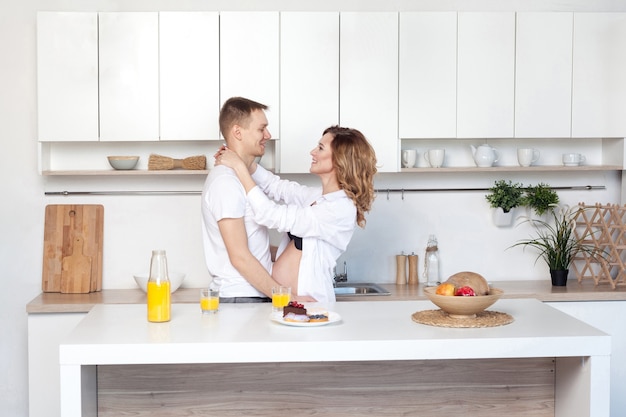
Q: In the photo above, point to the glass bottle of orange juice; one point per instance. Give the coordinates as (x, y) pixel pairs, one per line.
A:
(159, 302)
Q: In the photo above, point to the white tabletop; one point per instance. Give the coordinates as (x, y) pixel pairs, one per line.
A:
(121, 334)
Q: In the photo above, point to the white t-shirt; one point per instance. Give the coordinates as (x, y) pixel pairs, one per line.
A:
(223, 196)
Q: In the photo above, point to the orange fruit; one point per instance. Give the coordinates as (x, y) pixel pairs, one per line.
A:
(445, 289)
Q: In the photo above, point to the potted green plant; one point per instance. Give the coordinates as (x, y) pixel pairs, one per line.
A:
(503, 198)
(558, 244)
(540, 199)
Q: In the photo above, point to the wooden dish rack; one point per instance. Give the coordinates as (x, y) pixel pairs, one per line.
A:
(603, 226)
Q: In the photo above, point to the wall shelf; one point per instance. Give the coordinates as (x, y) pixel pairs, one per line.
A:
(143, 172)
(130, 172)
(542, 168)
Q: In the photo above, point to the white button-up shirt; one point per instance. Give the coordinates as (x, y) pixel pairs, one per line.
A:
(324, 222)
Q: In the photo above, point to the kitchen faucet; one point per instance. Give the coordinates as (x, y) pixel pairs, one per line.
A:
(341, 277)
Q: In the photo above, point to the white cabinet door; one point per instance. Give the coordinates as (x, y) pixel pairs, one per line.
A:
(368, 81)
(129, 76)
(599, 75)
(428, 74)
(486, 74)
(543, 75)
(309, 84)
(189, 75)
(45, 333)
(249, 60)
(67, 76)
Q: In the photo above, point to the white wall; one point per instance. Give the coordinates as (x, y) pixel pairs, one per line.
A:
(135, 225)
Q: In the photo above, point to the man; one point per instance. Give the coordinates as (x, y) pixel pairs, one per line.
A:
(237, 249)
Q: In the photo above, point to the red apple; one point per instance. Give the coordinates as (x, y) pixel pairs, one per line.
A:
(465, 291)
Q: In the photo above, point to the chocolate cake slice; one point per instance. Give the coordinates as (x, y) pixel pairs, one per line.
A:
(294, 307)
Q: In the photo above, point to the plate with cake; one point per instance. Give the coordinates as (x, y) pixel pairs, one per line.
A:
(295, 314)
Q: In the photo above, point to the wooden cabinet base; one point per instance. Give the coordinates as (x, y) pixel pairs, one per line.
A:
(485, 387)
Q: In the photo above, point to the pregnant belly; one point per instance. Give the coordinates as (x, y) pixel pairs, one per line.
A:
(286, 267)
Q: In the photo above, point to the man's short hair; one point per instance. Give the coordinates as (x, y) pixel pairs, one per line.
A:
(237, 110)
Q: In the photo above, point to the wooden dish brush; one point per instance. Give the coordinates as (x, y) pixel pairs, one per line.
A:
(160, 162)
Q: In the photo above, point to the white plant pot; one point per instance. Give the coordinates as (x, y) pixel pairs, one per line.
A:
(502, 219)
(536, 219)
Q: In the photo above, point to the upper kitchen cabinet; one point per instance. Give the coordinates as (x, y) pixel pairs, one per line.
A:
(543, 75)
(309, 84)
(67, 76)
(368, 81)
(486, 74)
(189, 75)
(249, 59)
(428, 43)
(599, 75)
(129, 76)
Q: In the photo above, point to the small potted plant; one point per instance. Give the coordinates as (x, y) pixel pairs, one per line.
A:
(558, 244)
(540, 199)
(503, 198)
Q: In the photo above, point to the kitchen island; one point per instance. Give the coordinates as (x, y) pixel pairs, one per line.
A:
(375, 361)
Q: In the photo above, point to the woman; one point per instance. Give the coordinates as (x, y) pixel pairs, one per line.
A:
(320, 221)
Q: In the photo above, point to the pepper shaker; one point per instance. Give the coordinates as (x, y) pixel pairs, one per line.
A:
(413, 277)
(401, 269)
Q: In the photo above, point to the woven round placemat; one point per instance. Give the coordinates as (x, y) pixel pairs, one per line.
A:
(441, 319)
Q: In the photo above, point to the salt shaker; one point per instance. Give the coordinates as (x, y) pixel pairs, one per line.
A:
(431, 262)
(401, 269)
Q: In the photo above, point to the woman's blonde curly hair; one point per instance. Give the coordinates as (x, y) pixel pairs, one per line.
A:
(354, 160)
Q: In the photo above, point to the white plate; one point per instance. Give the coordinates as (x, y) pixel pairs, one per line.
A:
(332, 318)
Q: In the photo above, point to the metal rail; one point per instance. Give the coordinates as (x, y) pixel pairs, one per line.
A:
(379, 190)
(71, 193)
(411, 190)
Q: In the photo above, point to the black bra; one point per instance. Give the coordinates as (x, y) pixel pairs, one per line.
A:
(296, 240)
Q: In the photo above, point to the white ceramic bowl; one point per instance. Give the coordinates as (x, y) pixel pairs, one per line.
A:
(460, 306)
(123, 162)
(176, 279)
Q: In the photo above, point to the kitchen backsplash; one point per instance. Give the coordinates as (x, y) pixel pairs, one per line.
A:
(399, 221)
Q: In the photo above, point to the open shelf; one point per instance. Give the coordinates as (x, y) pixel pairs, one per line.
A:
(129, 172)
(541, 168)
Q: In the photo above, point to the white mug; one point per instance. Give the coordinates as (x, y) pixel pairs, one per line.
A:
(409, 157)
(573, 159)
(434, 157)
(527, 156)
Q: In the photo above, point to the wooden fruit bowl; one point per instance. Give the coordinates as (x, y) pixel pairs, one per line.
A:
(460, 306)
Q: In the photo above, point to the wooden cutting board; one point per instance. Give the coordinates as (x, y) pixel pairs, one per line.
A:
(72, 254)
(76, 270)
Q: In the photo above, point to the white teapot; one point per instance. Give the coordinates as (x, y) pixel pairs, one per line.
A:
(485, 155)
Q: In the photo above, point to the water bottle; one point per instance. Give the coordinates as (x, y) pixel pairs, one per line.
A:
(431, 262)
(159, 302)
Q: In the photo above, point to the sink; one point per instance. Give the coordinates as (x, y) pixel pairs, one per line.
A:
(359, 289)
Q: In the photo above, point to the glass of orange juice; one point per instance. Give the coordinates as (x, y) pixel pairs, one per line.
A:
(280, 297)
(209, 300)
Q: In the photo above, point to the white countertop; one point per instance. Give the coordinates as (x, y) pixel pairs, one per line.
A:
(376, 330)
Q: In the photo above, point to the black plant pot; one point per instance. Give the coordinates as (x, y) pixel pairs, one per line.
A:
(559, 277)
